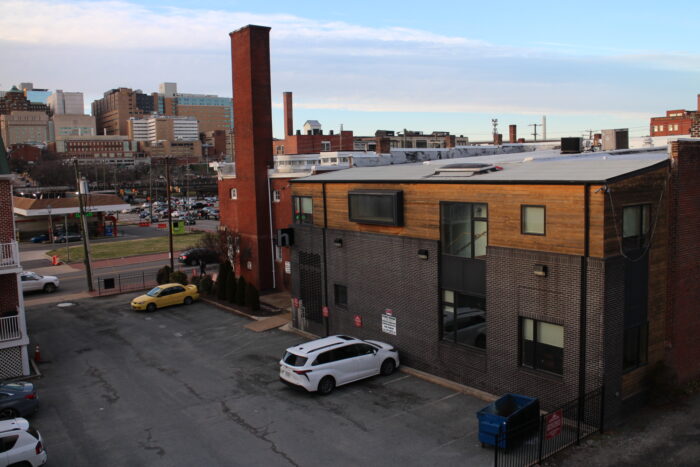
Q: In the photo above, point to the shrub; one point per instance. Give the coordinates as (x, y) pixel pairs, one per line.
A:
(221, 279)
(252, 297)
(179, 277)
(231, 287)
(240, 291)
(163, 275)
(211, 241)
(196, 280)
(205, 285)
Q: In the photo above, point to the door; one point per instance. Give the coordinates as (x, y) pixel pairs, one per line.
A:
(178, 295)
(166, 297)
(343, 364)
(366, 361)
(30, 282)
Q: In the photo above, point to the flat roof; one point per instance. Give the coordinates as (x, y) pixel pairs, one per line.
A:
(547, 166)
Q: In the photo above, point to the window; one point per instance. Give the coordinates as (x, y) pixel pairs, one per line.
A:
(464, 229)
(276, 196)
(634, 353)
(303, 209)
(376, 207)
(542, 345)
(234, 193)
(635, 226)
(661, 128)
(532, 220)
(325, 146)
(656, 128)
(464, 319)
(340, 292)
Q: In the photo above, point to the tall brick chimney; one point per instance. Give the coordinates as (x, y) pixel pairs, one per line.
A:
(245, 199)
(288, 114)
(512, 133)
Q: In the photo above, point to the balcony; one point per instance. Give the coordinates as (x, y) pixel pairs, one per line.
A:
(10, 329)
(9, 257)
(224, 169)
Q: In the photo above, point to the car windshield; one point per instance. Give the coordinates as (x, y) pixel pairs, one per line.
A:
(153, 292)
(294, 360)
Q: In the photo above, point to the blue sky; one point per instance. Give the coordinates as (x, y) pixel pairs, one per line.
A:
(426, 66)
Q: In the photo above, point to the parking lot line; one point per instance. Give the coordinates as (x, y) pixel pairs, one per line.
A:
(396, 379)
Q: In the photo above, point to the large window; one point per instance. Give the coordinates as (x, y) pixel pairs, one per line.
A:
(303, 209)
(341, 295)
(383, 207)
(464, 319)
(532, 220)
(635, 226)
(542, 345)
(635, 347)
(464, 229)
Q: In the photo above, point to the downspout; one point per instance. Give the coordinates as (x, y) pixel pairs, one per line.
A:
(272, 237)
(325, 262)
(583, 309)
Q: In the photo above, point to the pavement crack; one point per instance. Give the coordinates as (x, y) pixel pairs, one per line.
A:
(261, 433)
(148, 444)
(111, 396)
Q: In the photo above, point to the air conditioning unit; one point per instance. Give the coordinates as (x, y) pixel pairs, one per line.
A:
(571, 145)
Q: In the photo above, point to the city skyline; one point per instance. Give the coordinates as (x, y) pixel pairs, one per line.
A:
(449, 68)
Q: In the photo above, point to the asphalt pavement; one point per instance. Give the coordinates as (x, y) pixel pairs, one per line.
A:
(192, 386)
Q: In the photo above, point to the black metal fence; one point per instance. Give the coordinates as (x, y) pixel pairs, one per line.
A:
(125, 282)
(556, 430)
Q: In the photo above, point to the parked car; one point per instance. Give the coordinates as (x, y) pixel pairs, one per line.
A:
(323, 364)
(213, 214)
(189, 220)
(65, 238)
(195, 256)
(32, 281)
(21, 444)
(166, 295)
(42, 238)
(18, 399)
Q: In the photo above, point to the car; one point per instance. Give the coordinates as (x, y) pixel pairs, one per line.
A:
(213, 214)
(21, 444)
(189, 220)
(65, 238)
(323, 364)
(42, 238)
(195, 256)
(165, 295)
(32, 281)
(17, 399)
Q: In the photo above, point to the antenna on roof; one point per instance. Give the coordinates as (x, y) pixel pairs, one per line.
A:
(494, 122)
(534, 133)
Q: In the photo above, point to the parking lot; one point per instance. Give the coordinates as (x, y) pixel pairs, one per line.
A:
(191, 386)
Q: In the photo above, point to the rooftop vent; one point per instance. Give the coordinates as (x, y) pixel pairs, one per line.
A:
(466, 169)
(571, 145)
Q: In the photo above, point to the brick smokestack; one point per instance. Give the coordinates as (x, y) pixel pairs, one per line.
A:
(512, 133)
(247, 214)
(288, 114)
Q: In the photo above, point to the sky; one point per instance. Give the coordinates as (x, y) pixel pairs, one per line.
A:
(368, 65)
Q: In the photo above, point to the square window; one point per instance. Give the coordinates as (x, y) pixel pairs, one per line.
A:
(532, 220)
(464, 229)
(463, 319)
(276, 196)
(376, 207)
(635, 225)
(542, 345)
(340, 292)
(234, 193)
(303, 209)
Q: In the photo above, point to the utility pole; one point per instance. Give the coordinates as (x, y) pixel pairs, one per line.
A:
(170, 213)
(150, 189)
(534, 133)
(83, 222)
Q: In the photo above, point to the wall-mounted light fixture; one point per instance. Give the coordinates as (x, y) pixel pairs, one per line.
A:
(540, 270)
(423, 254)
(338, 242)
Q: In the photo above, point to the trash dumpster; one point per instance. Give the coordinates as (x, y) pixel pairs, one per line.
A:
(507, 419)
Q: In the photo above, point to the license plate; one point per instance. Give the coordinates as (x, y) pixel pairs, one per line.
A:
(286, 373)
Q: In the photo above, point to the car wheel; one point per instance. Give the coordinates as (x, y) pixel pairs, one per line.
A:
(388, 367)
(188, 300)
(326, 385)
(151, 307)
(8, 413)
(50, 288)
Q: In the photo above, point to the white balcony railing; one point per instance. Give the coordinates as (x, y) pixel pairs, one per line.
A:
(9, 255)
(9, 328)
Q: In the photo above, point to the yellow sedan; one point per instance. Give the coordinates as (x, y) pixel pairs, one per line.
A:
(166, 295)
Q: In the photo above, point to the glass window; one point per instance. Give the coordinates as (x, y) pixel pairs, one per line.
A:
(294, 360)
(325, 146)
(303, 209)
(464, 229)
(464, 319)
(376, 207)
(276, 196)
(634, 353)
(532, 220)
(234, 193)
(542, 345)
(635, 225)
(341, 295)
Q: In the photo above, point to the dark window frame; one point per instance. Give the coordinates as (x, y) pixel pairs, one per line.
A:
(474, 219)
(445, 335)
(534, 357)
(641, 357)
(337, 296)
(298, 215)
(523, 207)
(396, 204)
(633, 242)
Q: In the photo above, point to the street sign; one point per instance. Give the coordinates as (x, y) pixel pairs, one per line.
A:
(358, 321)
(389, 323)
(553, 423)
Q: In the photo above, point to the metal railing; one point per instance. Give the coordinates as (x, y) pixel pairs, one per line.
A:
(555, 431)
(9, 328)
(9, 255)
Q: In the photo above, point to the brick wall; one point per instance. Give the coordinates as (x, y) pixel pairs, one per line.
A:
(6, 226)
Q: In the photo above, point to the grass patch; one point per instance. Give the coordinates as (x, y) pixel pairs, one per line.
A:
(123, 248)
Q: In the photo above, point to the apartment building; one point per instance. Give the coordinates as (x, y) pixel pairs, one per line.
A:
(62, 103)
(163, 127)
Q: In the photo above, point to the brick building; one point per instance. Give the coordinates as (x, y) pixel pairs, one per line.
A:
(676, 122)
(15, 100)
(384, 140)
(24, 126)
(116, 150)
(14, 359)
(546, 278)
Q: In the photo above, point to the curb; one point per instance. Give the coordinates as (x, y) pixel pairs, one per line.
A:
(230, 309)
(470, 391)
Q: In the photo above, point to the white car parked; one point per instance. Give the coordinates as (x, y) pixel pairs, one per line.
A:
(323, 364)
(21, 444)
(32, 281)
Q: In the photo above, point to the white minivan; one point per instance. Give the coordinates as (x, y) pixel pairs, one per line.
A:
(21, 444)
(323, 364)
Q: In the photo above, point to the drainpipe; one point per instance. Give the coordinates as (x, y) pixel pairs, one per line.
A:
(272, 237)
(325, 262)
(583, 310)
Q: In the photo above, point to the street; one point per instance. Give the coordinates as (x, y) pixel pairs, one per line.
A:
(191, 386)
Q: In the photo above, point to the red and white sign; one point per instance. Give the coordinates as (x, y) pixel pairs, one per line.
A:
(553, 423)
(324, 310)
(295, 302)
(388, 312)
(358, 321)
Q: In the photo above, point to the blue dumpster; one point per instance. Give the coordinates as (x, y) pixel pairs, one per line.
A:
(508, 419)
